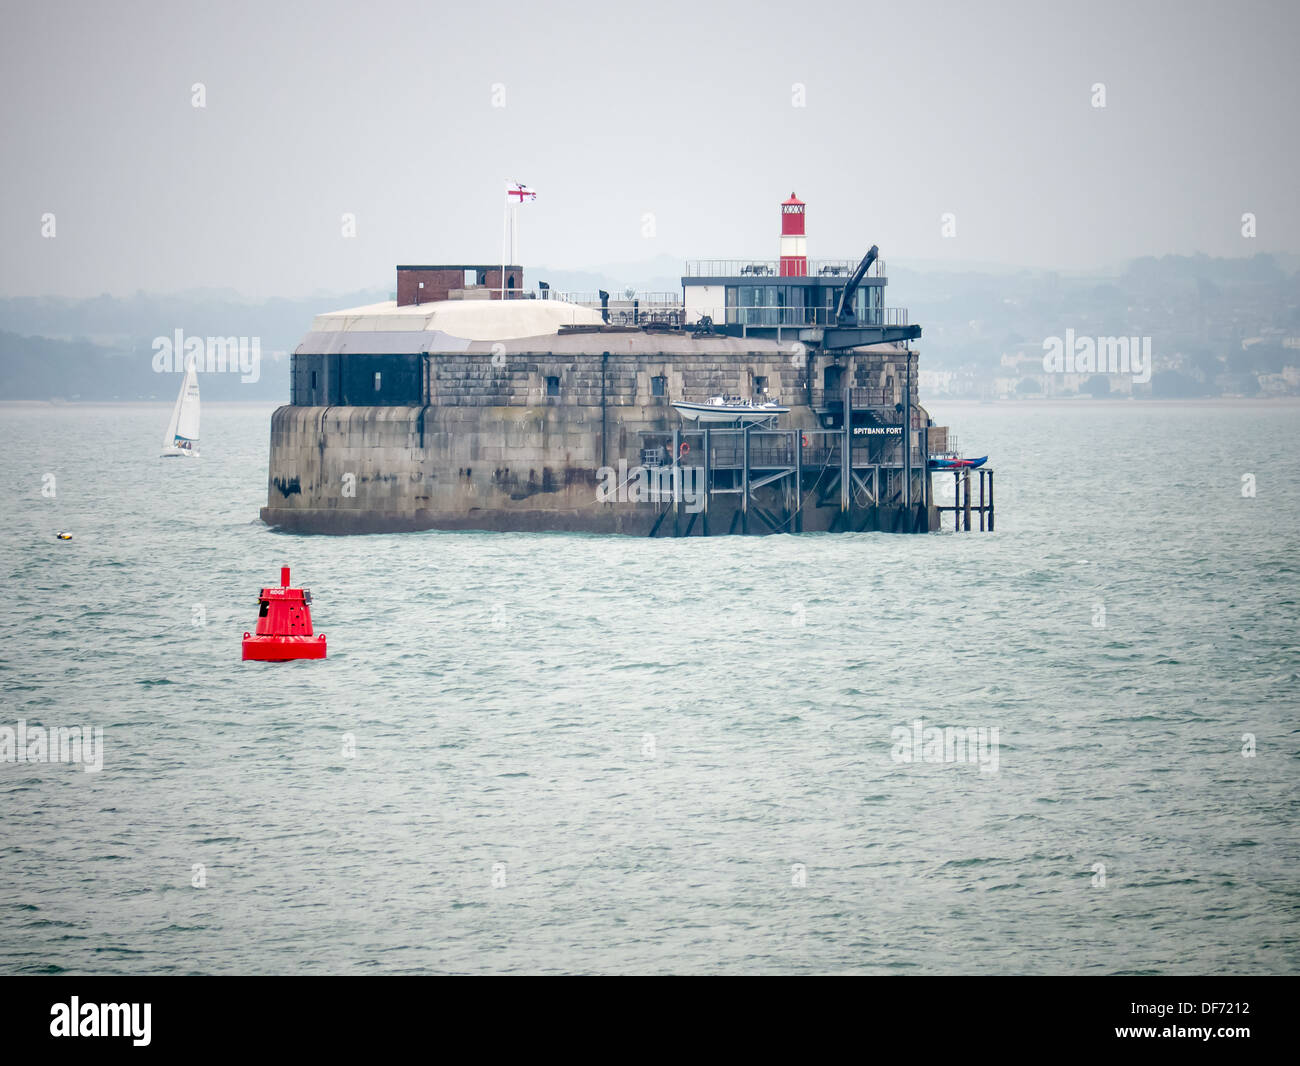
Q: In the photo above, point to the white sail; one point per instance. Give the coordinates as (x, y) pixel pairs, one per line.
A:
(183, 430)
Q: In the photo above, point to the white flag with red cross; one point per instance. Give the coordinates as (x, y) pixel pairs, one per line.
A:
(517, 194)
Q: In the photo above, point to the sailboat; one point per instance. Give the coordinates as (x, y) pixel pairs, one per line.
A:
(182, 436)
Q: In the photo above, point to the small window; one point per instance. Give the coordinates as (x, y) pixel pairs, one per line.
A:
(659, 386)
(760, 386)
(552, 386)
(378, 380)
(313, 381)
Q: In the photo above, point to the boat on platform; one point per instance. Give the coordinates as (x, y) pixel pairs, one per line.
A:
(182, 436)
(728, 409)
(948, 462)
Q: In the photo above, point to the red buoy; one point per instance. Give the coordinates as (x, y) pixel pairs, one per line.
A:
(284, 626)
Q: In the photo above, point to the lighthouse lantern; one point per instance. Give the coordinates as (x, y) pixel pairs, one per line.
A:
(794, 249)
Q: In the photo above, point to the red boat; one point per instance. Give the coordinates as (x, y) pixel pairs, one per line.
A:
(943, 462)
(284, 626)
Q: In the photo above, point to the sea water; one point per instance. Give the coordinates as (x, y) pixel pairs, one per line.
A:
(570, 753)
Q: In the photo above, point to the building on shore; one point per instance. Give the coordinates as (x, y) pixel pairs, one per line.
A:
(471, 402)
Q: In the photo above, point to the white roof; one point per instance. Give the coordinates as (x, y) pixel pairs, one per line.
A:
(476, 320)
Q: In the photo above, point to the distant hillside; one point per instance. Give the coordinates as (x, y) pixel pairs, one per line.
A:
(102, 348)
(40, 368)
(131, 323)
(1218, 326)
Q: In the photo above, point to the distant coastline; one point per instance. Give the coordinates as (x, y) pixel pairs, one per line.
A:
(1117, 401)
(82, 405)
(1217, 327)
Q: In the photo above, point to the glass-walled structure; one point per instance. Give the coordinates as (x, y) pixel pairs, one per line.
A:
(800, 305)
(745, 295)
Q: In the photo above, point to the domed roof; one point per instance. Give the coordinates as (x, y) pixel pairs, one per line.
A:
(475, 320)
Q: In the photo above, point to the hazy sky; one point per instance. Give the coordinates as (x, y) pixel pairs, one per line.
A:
(684, 111)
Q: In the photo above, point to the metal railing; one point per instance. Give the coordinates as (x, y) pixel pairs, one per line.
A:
(813, 316)
(620, 300)
(763, 454)
(644, 309)
(774, 450)
(667, 308)
(774, 454)
(592, 299)
(859, 397)
(623, 315)
(771, 268)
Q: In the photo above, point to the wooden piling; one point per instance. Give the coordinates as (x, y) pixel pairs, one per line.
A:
(798, 481)
(846, 453)
(925, 470)
(676, 472)
(744, 486)
(708, 484)
(907, 433)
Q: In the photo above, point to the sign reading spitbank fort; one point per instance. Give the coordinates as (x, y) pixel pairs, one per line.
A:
(471, 402)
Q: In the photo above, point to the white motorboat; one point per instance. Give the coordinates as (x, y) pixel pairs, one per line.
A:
(727, 409)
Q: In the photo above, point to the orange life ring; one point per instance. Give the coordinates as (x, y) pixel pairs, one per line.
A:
(803, 438)
(685, 447)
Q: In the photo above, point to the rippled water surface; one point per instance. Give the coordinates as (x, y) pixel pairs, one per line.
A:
(578, 753)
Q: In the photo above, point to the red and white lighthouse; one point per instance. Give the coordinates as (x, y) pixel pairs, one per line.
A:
(794, 245)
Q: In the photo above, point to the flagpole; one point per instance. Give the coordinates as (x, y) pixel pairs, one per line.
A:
(505, 240)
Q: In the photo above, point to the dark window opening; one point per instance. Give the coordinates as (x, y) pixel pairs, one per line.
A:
(313, 381)
(659, 386)
(760, 386)
(552, 386)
